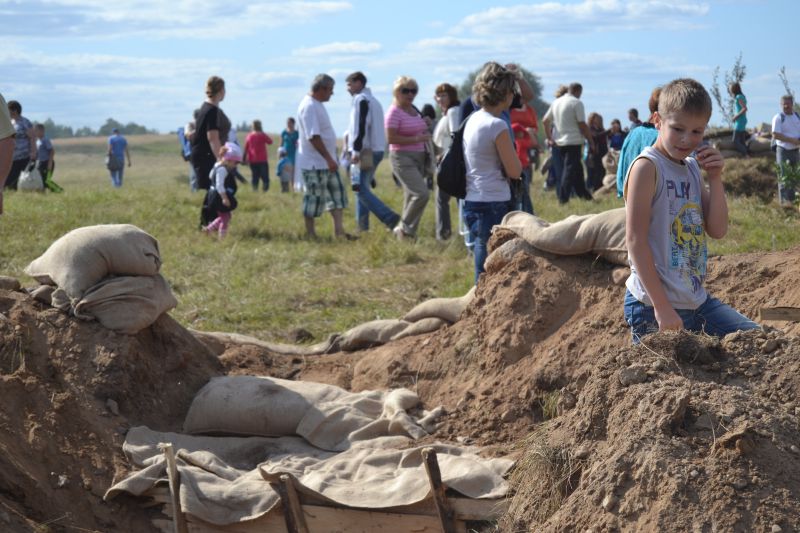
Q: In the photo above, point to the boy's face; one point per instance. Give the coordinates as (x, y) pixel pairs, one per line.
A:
(39, 132)
(679, 133)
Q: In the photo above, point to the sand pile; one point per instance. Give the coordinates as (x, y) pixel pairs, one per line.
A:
(701, 442)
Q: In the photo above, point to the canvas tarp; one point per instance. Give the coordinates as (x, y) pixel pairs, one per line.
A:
(222, 478)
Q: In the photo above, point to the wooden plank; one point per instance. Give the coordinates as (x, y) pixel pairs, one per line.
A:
(337, 520)
(780, 313)
(463, 508)
(437, 489)
(294, 509)
(174, 489)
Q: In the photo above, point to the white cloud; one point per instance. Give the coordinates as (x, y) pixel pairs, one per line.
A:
(187, 19)
(351, 48)
(589, 15)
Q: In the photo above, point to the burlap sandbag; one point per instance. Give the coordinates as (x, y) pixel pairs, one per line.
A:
(730, 154)
(327, 416)
(724, 144)
(610, 161)
(759, 145)
(372, 333)
(602, 234)
(253, 405)
(85, 256)
(126, 304)
(503, 255)
(426, 325)
(449, 309)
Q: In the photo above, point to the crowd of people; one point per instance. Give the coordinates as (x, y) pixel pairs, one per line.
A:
(501, 135)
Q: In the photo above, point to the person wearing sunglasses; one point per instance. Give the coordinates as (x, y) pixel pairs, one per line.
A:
(407, 133)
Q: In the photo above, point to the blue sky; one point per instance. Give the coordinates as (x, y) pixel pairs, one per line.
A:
(80, 62)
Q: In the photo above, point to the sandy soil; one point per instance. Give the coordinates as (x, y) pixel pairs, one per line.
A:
(686, 433)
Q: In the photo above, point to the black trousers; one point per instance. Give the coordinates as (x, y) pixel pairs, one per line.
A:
(13, 174)
(572, 174)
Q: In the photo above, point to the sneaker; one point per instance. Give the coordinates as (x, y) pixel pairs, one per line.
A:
(400, 234)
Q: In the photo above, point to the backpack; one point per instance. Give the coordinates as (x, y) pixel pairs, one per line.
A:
(774, 143)
(451, 173)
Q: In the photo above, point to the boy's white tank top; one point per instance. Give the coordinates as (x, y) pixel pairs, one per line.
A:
(677, 234)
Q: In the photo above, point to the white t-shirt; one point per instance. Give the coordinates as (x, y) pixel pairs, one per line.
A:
(789, 126)
(312, 119)
(485, 180)
(445, 127)
(566, 113)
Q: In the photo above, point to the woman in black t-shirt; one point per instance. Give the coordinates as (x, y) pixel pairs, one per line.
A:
(207, 139)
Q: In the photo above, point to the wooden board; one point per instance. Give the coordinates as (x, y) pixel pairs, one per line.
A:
(780, 313)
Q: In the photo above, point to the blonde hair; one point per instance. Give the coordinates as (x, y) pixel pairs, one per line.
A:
(400, 83)
(214, 86)
(493, 84)
(561, 91)
(684, 95)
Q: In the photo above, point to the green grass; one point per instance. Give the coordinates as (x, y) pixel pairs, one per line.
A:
(265, 279)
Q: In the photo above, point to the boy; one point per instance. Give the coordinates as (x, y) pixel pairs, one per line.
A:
(668, 213)
(45, 158)
(284, 170)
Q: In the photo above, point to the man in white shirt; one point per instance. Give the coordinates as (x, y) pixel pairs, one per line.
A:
(366, 142)
(566, 113)
(786, 133)
(316, 159)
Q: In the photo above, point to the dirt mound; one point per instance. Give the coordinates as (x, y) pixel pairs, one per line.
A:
(695, 437)
(751, 177)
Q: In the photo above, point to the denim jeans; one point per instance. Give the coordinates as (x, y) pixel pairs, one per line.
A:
(791, 157)
(480, 218)
(116, 177)
(366, 200)
(556, 168)
(524, 202)
(712, 317)
(739, 144)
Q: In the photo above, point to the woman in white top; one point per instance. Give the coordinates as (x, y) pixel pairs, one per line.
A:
(447, 98)
(489, 156)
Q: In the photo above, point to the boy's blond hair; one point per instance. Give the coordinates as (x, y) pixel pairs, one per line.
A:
(684, 95)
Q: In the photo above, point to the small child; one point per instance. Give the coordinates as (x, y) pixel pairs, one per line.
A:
(285, 169)
(45, 158)
(222, 194)
(668, 213)
(615, 135)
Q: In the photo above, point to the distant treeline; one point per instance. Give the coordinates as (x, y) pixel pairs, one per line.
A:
(57, 131)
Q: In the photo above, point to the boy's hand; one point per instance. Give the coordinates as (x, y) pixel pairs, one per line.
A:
(711, 161)
(668, 319)
(226, 202)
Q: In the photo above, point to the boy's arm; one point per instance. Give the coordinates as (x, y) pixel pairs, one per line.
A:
(715, 206)
(51, 157)
(641, 187)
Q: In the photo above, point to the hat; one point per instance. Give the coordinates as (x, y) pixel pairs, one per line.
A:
(232, 152)
(281, 150)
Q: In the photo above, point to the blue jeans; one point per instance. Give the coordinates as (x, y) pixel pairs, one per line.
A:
(367, 201)
(480, 218)
(116, 177)
(712, 317)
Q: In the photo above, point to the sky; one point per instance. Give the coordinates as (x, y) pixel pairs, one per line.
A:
(80, 62)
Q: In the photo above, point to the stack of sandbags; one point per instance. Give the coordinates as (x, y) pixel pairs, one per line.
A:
(425, 317)
(106, 272)
(601, 234)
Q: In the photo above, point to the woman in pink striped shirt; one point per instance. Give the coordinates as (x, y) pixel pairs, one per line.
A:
(407, 133)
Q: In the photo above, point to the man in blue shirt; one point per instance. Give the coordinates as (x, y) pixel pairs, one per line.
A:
(117, 151)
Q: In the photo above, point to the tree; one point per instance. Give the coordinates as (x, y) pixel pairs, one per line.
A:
(533, 80)
(57, 131)
(727, 104)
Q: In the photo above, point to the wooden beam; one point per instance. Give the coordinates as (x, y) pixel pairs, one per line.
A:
(780, 313)
(437, 489)
(178, 520)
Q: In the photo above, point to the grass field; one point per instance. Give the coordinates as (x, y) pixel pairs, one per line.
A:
(265, 279)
